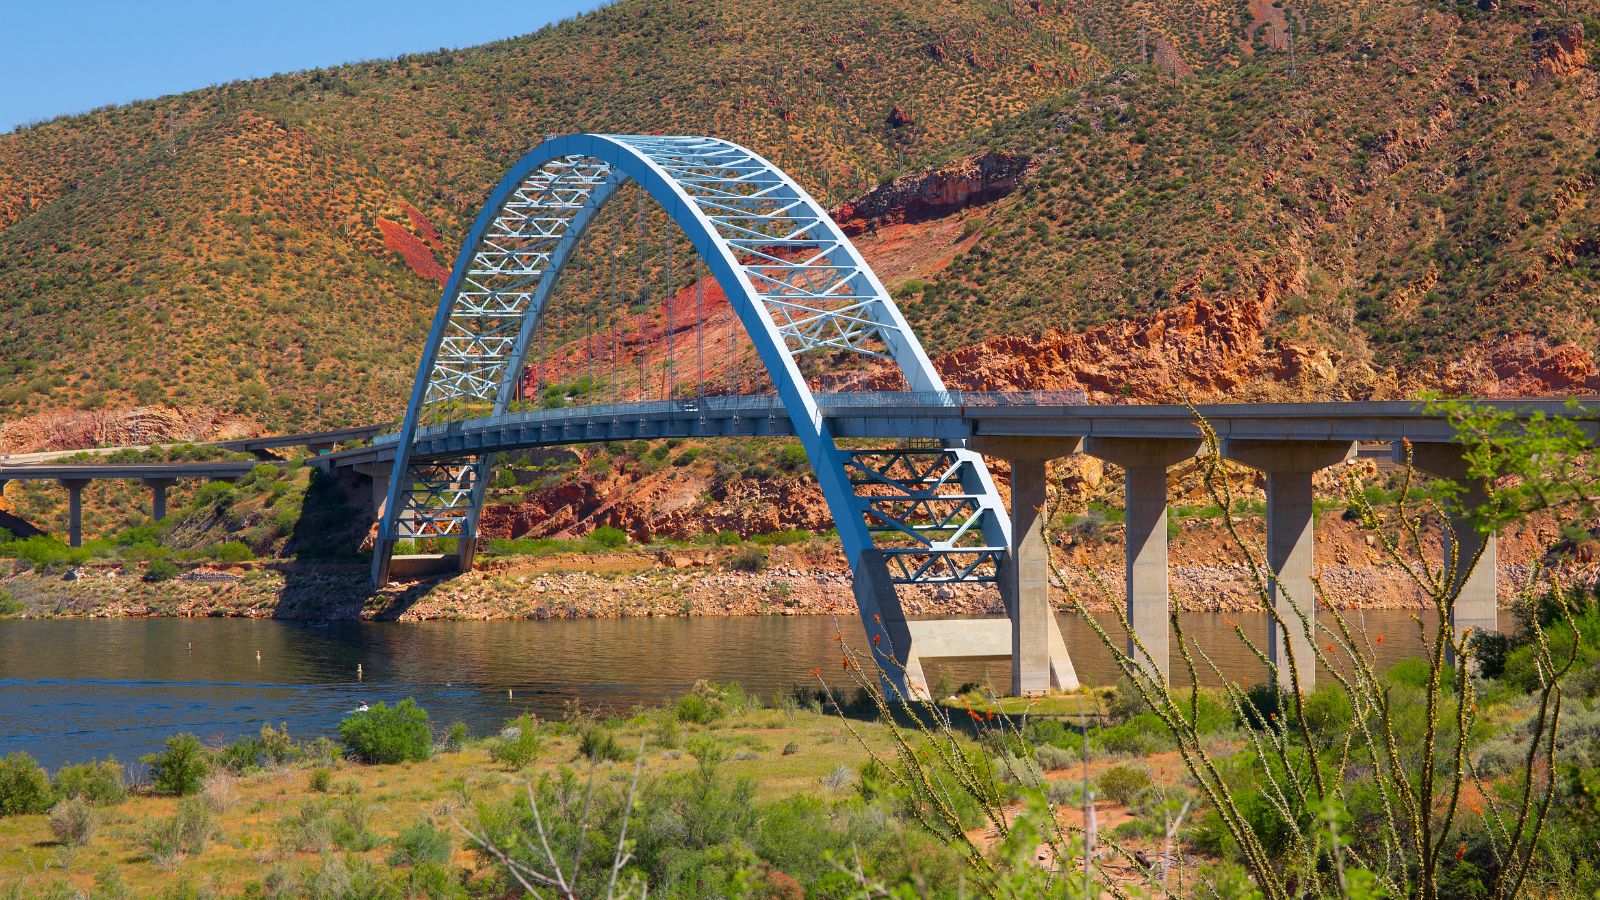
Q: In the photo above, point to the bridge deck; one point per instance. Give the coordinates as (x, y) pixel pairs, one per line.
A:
(951, 416)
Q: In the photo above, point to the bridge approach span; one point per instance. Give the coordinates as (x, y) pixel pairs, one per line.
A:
(948, 416)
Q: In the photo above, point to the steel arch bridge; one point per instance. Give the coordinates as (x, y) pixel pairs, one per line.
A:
(905, 516)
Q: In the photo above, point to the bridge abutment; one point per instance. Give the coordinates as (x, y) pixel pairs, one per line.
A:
(1291, 545)
(1146, 583)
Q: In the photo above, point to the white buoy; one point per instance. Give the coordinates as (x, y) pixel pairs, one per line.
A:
(258, 657)
(359, 675)
(191, 647)
(508, 693)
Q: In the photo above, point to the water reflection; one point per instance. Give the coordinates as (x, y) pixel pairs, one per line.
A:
(75, 689)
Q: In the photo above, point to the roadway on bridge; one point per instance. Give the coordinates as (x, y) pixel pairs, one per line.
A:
(947, 416)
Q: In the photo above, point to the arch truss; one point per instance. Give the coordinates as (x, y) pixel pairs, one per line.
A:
(905, 516)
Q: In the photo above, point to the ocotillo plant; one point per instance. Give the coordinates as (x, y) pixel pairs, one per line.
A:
(1407, 773)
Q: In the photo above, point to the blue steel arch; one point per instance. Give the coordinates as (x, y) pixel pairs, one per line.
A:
(797, 284)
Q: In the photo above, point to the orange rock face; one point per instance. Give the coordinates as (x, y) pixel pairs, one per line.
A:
(1202, 348)
(1559, 53)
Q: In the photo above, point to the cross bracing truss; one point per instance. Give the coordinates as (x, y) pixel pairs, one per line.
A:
(797, 285)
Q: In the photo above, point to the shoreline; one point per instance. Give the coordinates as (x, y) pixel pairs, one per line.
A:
(631, 585)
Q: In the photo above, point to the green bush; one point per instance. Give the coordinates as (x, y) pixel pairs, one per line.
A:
(387, 735)
(45, 552)
(168, 841)
(600, 745)
(321, 780)
(1121, 784)
(241, 756)
(748, 559)
(229, 551)
(97, 783)
(24, 786)
(456, 737)
(421, 844)
(710, 701)
(72, 822)
(161, 570)
(277, 746)
(10, 606)
(518, 743)
(607, 537)
(178, 769)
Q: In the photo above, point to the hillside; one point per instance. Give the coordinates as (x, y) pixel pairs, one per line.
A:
(1121, 195)
(272, 247)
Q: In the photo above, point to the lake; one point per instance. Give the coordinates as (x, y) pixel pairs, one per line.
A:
(77, 689)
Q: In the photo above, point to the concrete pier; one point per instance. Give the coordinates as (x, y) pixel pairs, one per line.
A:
(158, 496)
(1291, 554)
(1476, 607)
(1025, 579)
(1144, 462)
(74, 488)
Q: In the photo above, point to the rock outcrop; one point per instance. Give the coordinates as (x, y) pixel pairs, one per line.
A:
(1558, 52)
(71, 429)
(934, 193)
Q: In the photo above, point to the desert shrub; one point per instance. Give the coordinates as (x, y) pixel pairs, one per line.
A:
(45, 552)
(320, 780)
(421, 844)
(791, 748)
(178, 769)
(784, 538)
(1328, 711)
(386, 735)
(276, 745)
(1261, 705)
(218, 791)
(160, 570)
(97, 783)
(240, 756)
(1051, 758)
(456, 737)
(308, 829)
(72, 822)
(1129, 738)
(600, 745)
(1121, 784)
(185, 833)
(748, 559)
(709, 701)
(10, 606)
(230, 551)
(24, 786)
(518, 744)
(792, 458)
(607, 537)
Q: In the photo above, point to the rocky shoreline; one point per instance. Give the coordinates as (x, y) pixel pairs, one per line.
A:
(615, 586)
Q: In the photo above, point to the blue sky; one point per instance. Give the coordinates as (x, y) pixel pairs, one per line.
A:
(69, 56)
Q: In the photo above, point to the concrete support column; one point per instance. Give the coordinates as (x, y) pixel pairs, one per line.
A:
(1291, 555)
(74, 488)
(1476, 607)
(158, 496)
(1147, 590)
(1028, 574)
(3, 483)
(1038, 655)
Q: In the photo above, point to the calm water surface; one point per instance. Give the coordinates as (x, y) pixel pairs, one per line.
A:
(72, 690)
